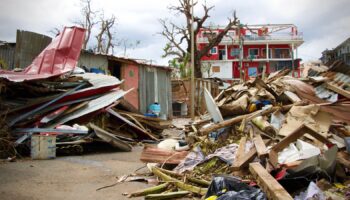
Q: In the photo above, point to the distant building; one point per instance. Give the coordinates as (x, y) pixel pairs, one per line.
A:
(341, 52)
(259, 47)
(328, 56)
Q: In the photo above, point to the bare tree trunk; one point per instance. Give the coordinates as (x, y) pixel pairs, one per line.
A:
(178, 36)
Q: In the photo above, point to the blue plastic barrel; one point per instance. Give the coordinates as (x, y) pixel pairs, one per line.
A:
(97, 71)
(155, 108)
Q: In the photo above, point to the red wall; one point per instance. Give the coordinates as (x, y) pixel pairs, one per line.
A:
(209, 56)
(130, 74)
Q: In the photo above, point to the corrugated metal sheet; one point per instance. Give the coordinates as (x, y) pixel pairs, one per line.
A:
(28, 46)
(7, 56)
(155, 86)
(130, 75)
(59, 57)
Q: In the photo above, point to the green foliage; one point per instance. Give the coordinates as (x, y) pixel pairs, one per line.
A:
(183, 68)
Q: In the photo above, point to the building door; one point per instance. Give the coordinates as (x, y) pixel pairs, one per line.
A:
(115, 68)
(222, 54)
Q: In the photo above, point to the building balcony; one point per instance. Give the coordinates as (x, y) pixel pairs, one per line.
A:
(255, 39)
(251, 59)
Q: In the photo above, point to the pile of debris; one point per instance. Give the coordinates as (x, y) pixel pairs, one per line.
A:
(52, 97)
(290, 137)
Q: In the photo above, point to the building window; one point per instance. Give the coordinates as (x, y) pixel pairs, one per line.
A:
(252, 71)
(231, 33)
(234, 52)
(264, 53)
(214, 50)
(215, 69)
(209, 34)
(282, 53)
(253, 53)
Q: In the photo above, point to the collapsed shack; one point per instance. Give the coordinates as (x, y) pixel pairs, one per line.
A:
(278, 138)
(69, 110)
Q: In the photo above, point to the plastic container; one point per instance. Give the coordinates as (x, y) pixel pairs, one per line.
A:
(43, 147)
(155, 108)
(97, 71)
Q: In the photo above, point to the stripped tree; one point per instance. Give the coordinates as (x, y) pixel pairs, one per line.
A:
(89, 20)
(104, 37)
(179, 37)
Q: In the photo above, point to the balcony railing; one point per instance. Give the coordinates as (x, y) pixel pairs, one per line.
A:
(282, 37)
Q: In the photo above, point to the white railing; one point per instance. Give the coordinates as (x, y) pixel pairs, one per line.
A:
(228, 39)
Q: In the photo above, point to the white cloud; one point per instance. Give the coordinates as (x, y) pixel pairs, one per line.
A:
(324, 23)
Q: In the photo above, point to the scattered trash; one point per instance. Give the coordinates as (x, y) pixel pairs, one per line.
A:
(276, 134)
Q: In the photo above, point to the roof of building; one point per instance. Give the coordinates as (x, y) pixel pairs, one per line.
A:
(344, 42)
(140, 62)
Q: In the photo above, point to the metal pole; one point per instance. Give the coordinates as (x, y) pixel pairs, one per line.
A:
(192, 64)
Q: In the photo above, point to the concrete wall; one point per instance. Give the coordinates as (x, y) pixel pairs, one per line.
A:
(225, 69)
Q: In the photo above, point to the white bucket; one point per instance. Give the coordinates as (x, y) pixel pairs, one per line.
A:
(43, 147)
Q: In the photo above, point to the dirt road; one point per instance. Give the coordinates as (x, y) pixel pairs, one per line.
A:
(70, 177)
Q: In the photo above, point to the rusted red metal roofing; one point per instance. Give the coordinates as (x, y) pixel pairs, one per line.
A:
(59, 57)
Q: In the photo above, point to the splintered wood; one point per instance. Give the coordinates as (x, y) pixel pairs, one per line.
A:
(248, 157)
(157, 155)
(260, 146)
(267, 183)
(302, 130)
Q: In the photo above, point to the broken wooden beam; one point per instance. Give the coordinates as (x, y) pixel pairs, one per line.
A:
(133, 126)
(302, 130)
(238, 119)
(157, 155)
(344, 159)
(247, 158)
(260, 146)
(338, 90)
(267, 183)
(241, 149)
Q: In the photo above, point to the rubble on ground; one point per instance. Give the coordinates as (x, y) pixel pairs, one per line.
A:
(52, 97)
(278, 138)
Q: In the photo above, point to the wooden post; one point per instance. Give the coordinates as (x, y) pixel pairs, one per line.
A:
(268, 184)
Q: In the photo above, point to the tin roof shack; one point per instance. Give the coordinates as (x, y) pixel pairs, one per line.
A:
(151, 83)
(22, 53)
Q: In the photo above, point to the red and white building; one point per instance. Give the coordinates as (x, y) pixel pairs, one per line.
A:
(223, 61)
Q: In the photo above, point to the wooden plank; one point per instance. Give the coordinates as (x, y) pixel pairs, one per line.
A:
(241, 150)
(268, 184)
(344, 159)
(338, 90)
(260, 146)
(247, 158)
(303, 129)
(157, 155)
(292, 96)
